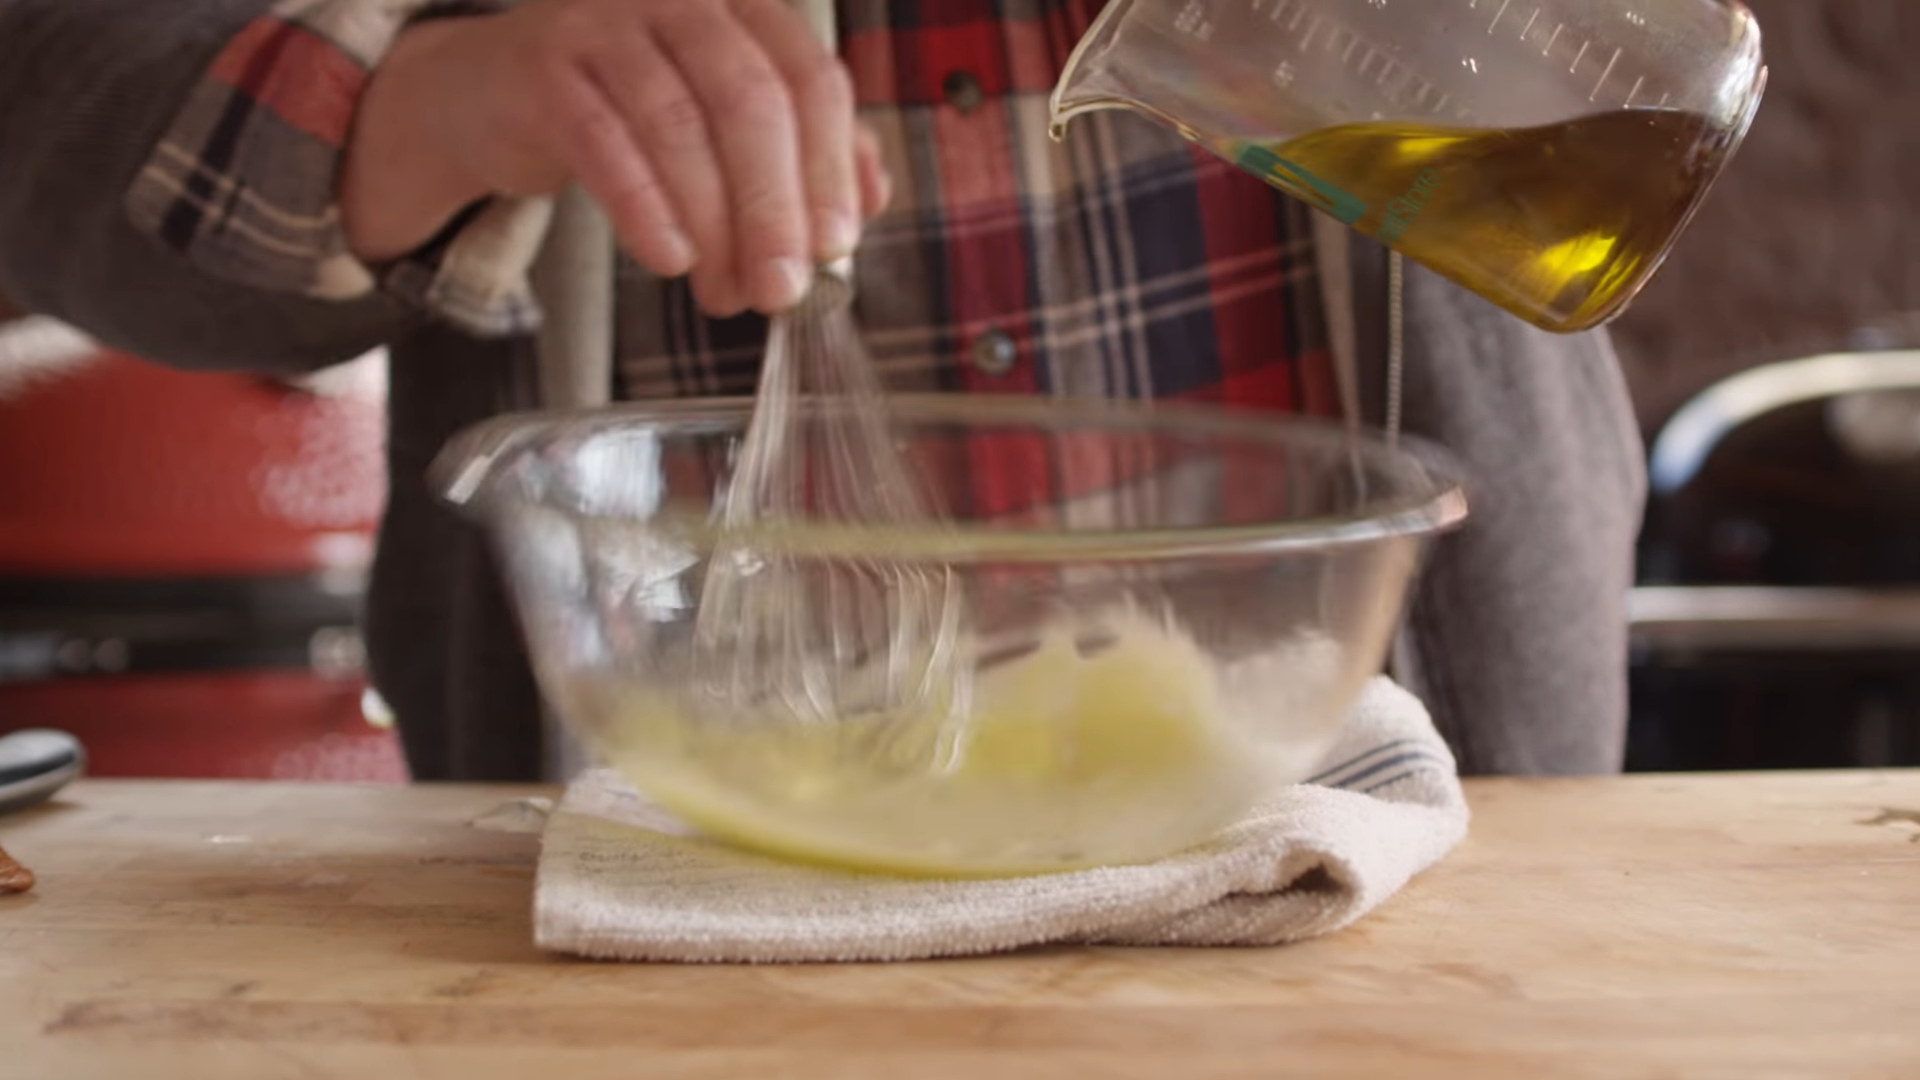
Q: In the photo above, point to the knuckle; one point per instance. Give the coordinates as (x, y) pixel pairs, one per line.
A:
(639, 191)
(753, 92)
(576, 114)
(827, 83)
(677, 120)
(770, 211)
(591, 130)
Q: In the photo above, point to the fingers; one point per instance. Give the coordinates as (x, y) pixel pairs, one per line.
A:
(718, 134)
(751, 117)
(821, 93)
(671, 128)
(596, 144)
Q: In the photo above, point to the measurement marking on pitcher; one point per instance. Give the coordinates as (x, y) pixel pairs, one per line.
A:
(1635, 92)
(1531, 19)
(1581, 55)
(1554, 38)
(1344, 206)
(1306, 40)
(1595, 96)
(1405, 210)
(1498, 15)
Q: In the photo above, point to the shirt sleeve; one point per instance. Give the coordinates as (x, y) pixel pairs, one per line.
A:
(242, 182)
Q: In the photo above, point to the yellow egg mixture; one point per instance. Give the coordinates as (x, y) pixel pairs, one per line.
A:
(1067, 759)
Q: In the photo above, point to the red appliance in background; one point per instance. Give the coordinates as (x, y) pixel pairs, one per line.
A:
(183, 559)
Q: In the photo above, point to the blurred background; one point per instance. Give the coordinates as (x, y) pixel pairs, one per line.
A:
(182, 560)
(1778, 623)
(182, 556)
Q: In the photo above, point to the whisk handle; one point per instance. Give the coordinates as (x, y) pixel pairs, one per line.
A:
(574, 279)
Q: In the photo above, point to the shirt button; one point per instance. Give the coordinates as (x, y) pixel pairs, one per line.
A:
(994, 353)
(963, 91)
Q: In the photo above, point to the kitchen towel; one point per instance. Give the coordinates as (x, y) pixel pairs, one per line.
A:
(620, 879)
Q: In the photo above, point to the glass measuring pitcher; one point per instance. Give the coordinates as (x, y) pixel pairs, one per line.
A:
(1542, 153)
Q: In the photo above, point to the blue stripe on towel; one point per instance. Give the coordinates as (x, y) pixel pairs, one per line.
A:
(1324, 775)
(1420, 754)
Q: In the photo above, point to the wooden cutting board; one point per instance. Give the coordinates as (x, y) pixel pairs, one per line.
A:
(1731, 926)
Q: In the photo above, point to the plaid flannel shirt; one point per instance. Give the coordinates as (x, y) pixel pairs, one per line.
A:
(1119, 262)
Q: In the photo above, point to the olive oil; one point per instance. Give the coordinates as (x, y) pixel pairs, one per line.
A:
(1560, 225)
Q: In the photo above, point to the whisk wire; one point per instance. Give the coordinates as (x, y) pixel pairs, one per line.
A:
(871, 644)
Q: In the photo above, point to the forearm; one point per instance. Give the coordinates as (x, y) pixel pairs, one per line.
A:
(386, 209)
(167, 176)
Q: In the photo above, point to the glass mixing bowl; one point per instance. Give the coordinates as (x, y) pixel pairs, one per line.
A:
(1169, 610)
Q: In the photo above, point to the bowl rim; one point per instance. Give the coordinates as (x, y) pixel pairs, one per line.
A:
(466, 471)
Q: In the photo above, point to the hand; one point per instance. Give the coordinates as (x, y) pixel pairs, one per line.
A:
(718, 135)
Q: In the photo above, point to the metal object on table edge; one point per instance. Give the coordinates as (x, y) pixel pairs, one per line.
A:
(35, 764)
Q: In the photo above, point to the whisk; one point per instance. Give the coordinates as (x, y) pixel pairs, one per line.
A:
(864, 641)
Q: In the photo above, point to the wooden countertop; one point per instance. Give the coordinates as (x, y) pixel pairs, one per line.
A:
(1738, 926)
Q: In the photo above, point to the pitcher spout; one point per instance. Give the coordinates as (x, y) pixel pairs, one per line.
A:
(1159, 59)
(1092, 81)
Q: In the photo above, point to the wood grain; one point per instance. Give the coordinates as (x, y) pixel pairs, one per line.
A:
(1740, 926)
